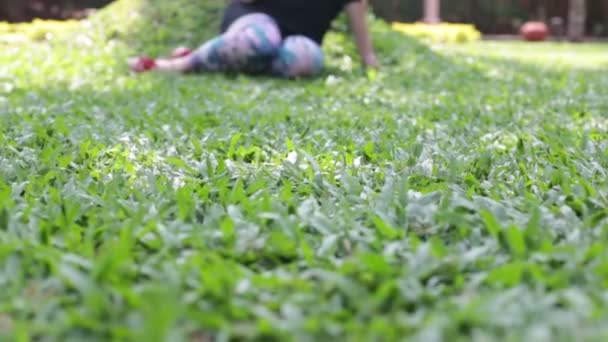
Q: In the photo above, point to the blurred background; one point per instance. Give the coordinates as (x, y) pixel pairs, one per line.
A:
(504, 16)
(489, 16)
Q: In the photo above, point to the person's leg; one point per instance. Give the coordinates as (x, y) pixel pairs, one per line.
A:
(298, 56)
(249, 45)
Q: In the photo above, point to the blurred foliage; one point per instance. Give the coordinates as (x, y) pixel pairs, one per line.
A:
(25, 10)
(150, 25)
(494, 16)
(489, 16)
(38, 29)
(441, 33)
(153, 23)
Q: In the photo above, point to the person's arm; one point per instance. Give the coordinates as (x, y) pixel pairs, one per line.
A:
(179, 64)
(356, 12)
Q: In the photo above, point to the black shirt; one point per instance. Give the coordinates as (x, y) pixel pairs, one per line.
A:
(310, 18)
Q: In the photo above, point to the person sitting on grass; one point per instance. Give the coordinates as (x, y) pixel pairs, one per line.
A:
(275, 37)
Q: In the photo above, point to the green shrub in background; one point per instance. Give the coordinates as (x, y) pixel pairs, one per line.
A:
(149, 25)
(154, 24)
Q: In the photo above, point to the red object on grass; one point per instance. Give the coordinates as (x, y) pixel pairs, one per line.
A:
(143, 63)
(181, 51)
(534, 31)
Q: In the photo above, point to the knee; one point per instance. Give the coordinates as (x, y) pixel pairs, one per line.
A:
(257, 32)
(263, 41)
(299, 56)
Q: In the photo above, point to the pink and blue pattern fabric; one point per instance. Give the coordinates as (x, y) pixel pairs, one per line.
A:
(253, 44)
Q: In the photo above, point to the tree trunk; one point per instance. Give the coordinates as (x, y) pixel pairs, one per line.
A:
(577, 16)
(431, 11)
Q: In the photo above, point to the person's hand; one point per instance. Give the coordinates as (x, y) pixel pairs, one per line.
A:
(356, 12)
(371, 61)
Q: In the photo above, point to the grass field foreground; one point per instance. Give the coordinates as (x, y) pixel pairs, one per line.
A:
(461, 193)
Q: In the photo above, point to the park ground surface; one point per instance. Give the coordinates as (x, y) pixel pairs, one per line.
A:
(459, 193)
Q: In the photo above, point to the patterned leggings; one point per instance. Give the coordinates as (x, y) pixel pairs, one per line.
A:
(253, 44)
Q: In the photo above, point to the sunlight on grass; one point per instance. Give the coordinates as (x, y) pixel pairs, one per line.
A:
(439, 33)
(460, 193)
(551, 54)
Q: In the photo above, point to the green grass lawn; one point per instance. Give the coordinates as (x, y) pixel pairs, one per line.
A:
(459, 194)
